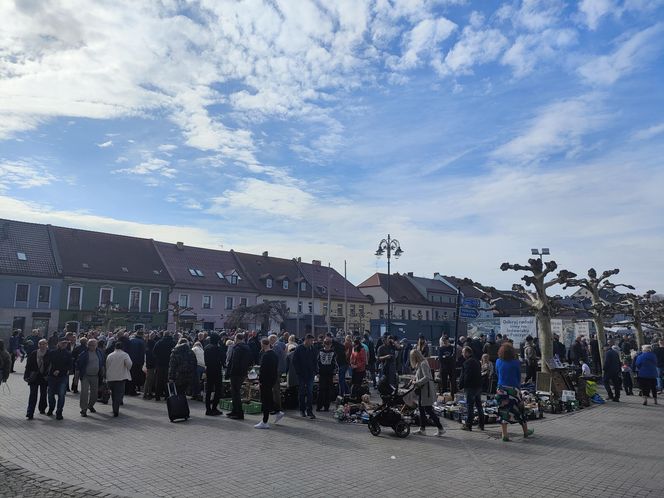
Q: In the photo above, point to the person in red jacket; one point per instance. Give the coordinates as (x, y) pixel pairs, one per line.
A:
(358, 362)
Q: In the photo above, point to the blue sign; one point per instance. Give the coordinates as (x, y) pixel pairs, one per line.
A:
(471, 302)
(468, 313)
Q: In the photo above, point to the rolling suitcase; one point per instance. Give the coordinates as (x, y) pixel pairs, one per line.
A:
(177, 405)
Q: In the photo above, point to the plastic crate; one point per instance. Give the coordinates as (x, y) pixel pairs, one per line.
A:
(252, 408)
(226, 404)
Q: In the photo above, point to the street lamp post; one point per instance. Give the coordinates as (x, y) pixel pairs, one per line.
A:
(543, 252)
(389, 245)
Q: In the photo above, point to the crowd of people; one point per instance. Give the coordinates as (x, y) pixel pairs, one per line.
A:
(123, 363)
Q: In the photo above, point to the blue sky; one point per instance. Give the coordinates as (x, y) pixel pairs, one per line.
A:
(472, 131)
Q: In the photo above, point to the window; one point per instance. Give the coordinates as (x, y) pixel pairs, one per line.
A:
(437, 315)
(403, 314)
(44, 296)
(361, 307)
(22, 291)
(303, 286)
(285, 284)
(155, 301)
(192, 272)
(381, 314)
(244, 301)
(445, 314)
(183, 300)
(410, 315)
(340, 309)
(234, 279)
(105, 296)
(268, 283)
(427, 314)
(74, 297)
(352, 310)
(135, 299)
(219, 275)
(21, 256)
(207, 302)
(299, 306)
(324, 308)
(229, 303)
(311, 307)
(125, 269)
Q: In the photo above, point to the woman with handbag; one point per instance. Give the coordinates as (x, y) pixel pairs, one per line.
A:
(36, 373)
(425, 390)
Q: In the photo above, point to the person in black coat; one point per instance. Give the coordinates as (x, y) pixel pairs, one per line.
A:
(136, 351)
(60, 363)
(150, 366)
(559, 348)
(255, 348)
(612, 373)
(447, 366)
(36, 372)
(371, 365)
(214, 362)
(162, 354)
(305, 363)
(239, 362)
(267, 377)
(471, 382)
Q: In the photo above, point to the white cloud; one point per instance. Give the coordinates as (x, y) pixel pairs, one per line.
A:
(105, 144)
(423, 39)
(631, 54)
(593, 10)
(530, 49)
(23, 174)
(650, 132)
(167, 147)
(475, 46)
(557, 128)
(150, 167)
(272, 199)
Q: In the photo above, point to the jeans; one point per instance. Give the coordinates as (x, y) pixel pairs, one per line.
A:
(89, 391)
(197, 386)
(305, 394)
(117, 388)
(474, 400)
(37, 389)
(57, 386)
(447, 380)
(343, 387)
(148, 387)
(617, 385)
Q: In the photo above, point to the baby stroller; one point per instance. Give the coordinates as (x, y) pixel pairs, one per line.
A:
(390, 413)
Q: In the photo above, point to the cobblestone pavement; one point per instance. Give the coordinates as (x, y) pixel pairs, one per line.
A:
(609, 450)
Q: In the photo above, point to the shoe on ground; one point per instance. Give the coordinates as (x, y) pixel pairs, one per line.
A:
(466, 428)
(616, 400)
(311, 416)
(440, 432)
(278, 417)
(506, 439)
(43, 412)
(92, 409)
(235, 416)
(49, 413)
(216, 412)
(84, 413)
(303, 414)
(529, 433)
(209, 413)
(419, 432)
(58, 416)
(29, 417)
(262, 425)
(157, 398)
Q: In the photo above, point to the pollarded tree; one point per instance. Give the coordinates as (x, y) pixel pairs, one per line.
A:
(543, 306)
(264, 313)
(177, 311)
(600, 308)
(641, 309)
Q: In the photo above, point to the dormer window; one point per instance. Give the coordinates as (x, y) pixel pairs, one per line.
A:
(21, 256)
(233, 279)
(125, 269)
(85, 265)
(195, 273)
(284, 284)
(268, 283)
(303, 286)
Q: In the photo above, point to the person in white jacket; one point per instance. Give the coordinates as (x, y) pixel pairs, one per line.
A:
(118, 366)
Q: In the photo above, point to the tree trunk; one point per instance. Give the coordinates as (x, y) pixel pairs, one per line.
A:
(640, 339)
(545, 340)
(601, 339)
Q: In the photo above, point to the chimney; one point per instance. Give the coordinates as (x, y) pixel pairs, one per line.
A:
(316, 262)
(436, 275)
(299, 260)
(180, 246)
(410, 273)
(265, 254)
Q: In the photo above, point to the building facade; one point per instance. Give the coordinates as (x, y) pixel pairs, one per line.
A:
(30, 279)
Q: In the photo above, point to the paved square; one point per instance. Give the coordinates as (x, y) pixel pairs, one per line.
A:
(611, 450)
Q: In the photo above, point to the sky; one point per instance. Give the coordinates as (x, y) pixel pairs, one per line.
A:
(471, 131)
